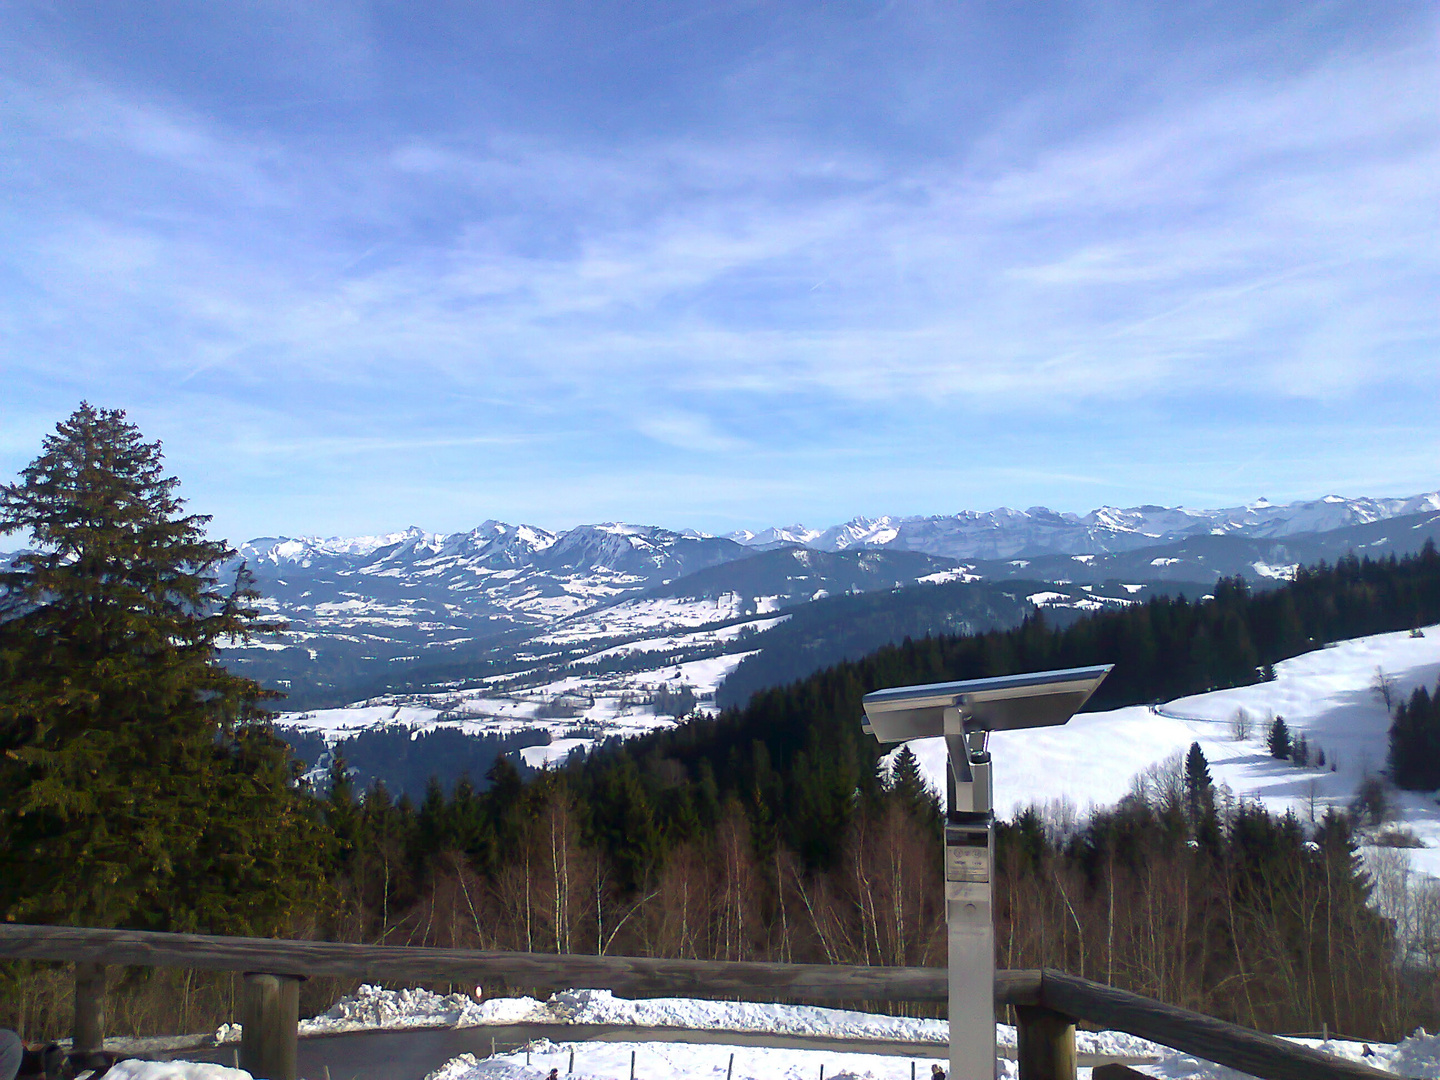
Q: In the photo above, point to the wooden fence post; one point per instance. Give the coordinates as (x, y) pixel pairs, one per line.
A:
(271, 1019)
(88, 1032)
(1047, 1044)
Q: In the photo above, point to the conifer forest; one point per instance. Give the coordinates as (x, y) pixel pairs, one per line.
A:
(141, 787)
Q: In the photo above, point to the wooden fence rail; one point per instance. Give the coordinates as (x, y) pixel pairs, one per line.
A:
(1048, 1002)
(632, 975)
(1194, 1033)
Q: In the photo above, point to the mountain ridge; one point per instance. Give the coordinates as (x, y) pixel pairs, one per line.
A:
(1001, 533)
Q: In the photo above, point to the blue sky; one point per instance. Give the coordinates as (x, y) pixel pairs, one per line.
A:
(725, 264)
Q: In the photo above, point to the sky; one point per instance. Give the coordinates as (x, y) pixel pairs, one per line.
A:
(725, 264)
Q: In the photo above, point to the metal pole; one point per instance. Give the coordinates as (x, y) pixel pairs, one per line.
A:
(969, 855)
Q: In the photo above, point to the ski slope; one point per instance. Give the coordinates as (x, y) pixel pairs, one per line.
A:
(1325, 695)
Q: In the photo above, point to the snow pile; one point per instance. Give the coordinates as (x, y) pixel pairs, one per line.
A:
(371, 1008)
(1418, 1056)
(1119, 1044)
(470, 1067)
(134, 1069)
(603, 1007)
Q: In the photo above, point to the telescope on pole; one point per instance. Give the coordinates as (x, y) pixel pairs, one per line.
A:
(965, 713)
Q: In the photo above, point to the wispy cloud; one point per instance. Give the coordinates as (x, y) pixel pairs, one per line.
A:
(688, 431)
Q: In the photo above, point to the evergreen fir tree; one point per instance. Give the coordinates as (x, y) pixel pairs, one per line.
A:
(1199, 788)
(1279, 739)
(909, 786)
(1300, 751)
(140, 785)
(1415, 742)
(341, 810)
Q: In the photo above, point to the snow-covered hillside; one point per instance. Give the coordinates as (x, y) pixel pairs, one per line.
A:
(576, 709)
(1325, 695)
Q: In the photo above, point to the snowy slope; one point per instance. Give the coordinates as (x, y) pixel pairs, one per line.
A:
(1325, 695)
(606, 693)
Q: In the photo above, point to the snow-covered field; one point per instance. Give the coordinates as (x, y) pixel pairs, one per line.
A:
(1325, 695)
(372, 1008)
(1416, 1057)
(653, 616)
(589, 707)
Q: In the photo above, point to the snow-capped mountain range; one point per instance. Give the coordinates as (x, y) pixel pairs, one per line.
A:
(496, 545)
(1006, 533)
(367, 611)
(1002, 533)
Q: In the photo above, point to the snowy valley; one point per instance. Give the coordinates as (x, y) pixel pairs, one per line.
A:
(548, 642)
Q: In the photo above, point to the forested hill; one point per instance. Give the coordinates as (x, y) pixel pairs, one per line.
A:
(795, 755)
(838, 628)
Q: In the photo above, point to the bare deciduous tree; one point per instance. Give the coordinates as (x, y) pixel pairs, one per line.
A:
(1383, 686)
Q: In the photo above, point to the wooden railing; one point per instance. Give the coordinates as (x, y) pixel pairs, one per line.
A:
(1047, 1003)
